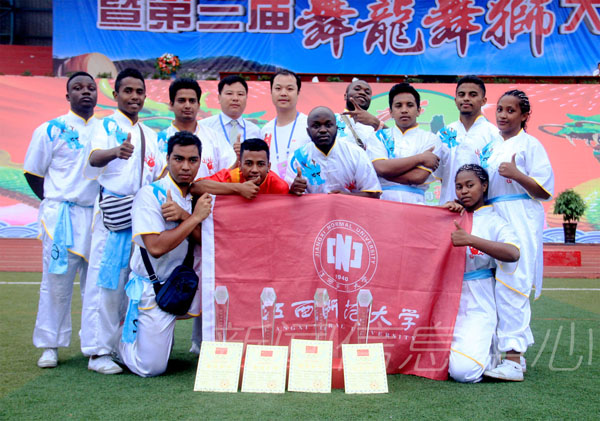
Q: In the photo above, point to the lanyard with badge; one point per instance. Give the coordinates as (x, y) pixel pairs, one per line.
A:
(281, 166)
(225, 131)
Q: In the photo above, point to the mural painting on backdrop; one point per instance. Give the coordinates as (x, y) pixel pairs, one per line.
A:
(565, 118)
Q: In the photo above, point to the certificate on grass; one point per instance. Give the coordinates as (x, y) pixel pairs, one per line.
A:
(310, 366)
(219, 367)
(265, 369)
(364, 368)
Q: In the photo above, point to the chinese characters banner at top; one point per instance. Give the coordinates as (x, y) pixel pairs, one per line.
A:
(323, 34)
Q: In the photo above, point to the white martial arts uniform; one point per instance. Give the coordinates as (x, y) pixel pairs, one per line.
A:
(403, 145)
(283, 141)
(346, 167)
(148, 353)
(526, 215)
(57, 153)
(221, 124)
(470, 352)
(103, 308)
(364, 132)
(217, 154)
(460, 147)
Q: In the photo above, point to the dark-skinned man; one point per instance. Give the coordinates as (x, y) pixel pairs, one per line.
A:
(329, 166)
(356, 124)
(121, 164)
(53, 167)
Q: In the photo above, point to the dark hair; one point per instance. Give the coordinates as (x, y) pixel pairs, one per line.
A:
(254, 144)
(183, 83)
(286, 73)
(471, 79)
(478, 171)
(404, 88)
(356, 81)
(184, 138)
(230, 80)
(128, 72)
(74, 75)
(524, 104)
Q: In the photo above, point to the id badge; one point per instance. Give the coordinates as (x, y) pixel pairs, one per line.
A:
(281, 169)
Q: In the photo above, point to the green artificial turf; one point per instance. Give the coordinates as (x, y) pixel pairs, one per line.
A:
(559, 384)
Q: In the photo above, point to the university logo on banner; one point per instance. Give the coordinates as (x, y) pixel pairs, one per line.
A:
(401, 253)
(345, 256)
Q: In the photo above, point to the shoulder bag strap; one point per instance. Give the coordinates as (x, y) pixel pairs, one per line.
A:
(349, 124)
(143, 138)
(189, 257)
(151, 275)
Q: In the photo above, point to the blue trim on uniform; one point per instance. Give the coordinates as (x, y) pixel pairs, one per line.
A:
(508, 197)
(478, 274)
(403, 187)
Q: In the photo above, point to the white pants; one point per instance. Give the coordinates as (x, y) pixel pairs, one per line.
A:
(149, 354)
(513, 290)
(514, 313)
(103, 309)
(53, 322)
(470, 352)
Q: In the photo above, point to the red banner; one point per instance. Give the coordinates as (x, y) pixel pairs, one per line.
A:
(401, 253)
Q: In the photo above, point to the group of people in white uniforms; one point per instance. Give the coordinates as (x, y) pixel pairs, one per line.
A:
(317, 159)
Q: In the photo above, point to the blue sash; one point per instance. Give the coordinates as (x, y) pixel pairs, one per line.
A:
(508, 197)
(134, 290)
(478, 274)
(63, 239)
(114, 258)
(404, 187)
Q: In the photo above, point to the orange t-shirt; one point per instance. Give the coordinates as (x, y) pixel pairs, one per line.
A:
(273, 184)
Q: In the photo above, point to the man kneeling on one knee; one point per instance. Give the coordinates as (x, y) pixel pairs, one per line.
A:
(162, 221)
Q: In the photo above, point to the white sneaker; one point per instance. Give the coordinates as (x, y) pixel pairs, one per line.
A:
(507, 370)
(104, 365)
(495, 360)
(195, 349)
(49, 358)
(524, 364)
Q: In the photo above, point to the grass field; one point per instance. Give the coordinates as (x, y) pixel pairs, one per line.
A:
(562, 382)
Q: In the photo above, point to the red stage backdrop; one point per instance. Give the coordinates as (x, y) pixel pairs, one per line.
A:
(401, 253)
